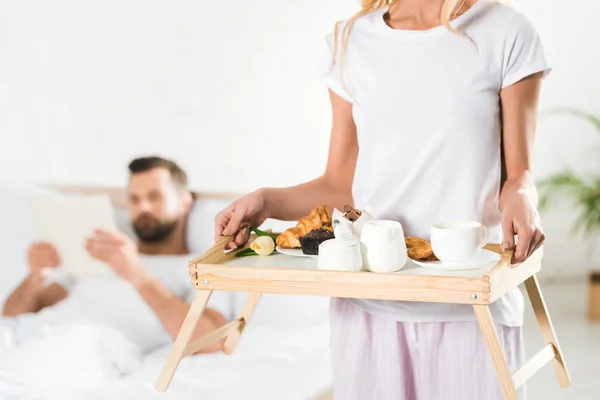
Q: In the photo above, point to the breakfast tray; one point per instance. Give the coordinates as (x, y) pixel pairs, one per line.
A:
(282, 274)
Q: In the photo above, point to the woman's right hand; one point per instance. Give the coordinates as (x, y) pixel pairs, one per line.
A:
(237, 219)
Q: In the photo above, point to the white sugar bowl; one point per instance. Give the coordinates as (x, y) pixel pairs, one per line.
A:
(340, 255)
(343, 228)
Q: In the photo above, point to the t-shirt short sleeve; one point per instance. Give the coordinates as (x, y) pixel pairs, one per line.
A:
(524, 53)
(329, 68)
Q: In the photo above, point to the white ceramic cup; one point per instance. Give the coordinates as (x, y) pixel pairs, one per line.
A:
(383, 246)
(340, 255)
(457, 242)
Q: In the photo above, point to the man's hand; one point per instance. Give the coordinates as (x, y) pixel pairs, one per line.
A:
(119, 252)
(32, 295)
(41, 257)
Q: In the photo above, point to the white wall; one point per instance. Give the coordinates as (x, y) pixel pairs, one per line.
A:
(573, 39)
(220, 86)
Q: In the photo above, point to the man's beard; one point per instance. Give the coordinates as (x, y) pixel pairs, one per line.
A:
(151, 230)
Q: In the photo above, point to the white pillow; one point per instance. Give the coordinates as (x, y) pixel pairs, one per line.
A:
(201, 224)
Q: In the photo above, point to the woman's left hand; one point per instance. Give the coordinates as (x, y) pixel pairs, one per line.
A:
(520, 217)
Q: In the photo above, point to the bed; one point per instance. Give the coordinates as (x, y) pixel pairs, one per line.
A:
(286, 360)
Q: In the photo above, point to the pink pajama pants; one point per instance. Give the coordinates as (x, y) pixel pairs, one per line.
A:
(376, 358)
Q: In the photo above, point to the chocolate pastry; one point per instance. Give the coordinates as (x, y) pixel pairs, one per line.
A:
(351, 213)
(311, 241)
(318, 217)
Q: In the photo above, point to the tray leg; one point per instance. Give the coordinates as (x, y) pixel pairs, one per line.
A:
(484, 317)
(185, 333)
(244, 316)
(543, 318)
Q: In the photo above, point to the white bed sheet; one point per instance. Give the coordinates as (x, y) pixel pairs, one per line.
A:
(277, 364)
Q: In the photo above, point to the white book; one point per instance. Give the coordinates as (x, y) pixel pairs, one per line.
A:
(67, 221)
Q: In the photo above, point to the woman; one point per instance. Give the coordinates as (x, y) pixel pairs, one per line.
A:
(434, 114)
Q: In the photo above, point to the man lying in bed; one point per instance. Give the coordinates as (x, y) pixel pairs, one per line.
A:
(128, 313)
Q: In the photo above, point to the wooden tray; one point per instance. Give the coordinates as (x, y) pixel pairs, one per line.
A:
(282, 274)
(285, 274)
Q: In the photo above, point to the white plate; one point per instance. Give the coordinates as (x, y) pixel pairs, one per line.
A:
(293, 252)
(485, 259)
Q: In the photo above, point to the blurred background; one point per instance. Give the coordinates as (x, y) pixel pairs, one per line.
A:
(219, 86)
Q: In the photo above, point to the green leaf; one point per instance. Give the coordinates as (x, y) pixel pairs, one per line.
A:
(561, 184)
(262, 233)
(583, 192)
(245, 253)
(592, 119)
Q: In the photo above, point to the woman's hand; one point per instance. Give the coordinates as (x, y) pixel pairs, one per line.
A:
(520, 217)
(518, 199)
(237, 219)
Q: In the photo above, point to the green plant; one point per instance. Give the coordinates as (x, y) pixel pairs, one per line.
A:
(584, 191)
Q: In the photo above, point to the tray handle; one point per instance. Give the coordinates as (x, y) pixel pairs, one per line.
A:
(505, 257)
(216, 254)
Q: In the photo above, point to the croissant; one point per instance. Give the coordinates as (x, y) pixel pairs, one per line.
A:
(318, 217)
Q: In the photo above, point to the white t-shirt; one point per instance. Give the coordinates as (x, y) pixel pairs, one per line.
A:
(107, 300)
(426, 107)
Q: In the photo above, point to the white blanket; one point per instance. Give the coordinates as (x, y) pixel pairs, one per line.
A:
(53, 358)
(268, 365)
(92, 363)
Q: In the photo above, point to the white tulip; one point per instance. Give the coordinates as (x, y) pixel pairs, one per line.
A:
(263, 245)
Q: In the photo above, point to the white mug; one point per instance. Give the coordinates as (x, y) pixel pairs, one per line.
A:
(340, 255)
(383, 246)
(457, 242)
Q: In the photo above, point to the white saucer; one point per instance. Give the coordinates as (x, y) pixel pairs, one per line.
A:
(293, 252)
(485, 259)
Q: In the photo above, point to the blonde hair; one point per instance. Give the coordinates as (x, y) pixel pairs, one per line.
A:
(450, 9)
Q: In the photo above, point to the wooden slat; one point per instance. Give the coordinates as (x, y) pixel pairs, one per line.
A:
(499, 287)
(504, 265)
(532, 366)
(245, 315)
(448, 289)
(183, 337)
(543, 318)
(494, 247)
(325, 395)
(505, 276)
(484, 317)
(215, 255)
(213, 336)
